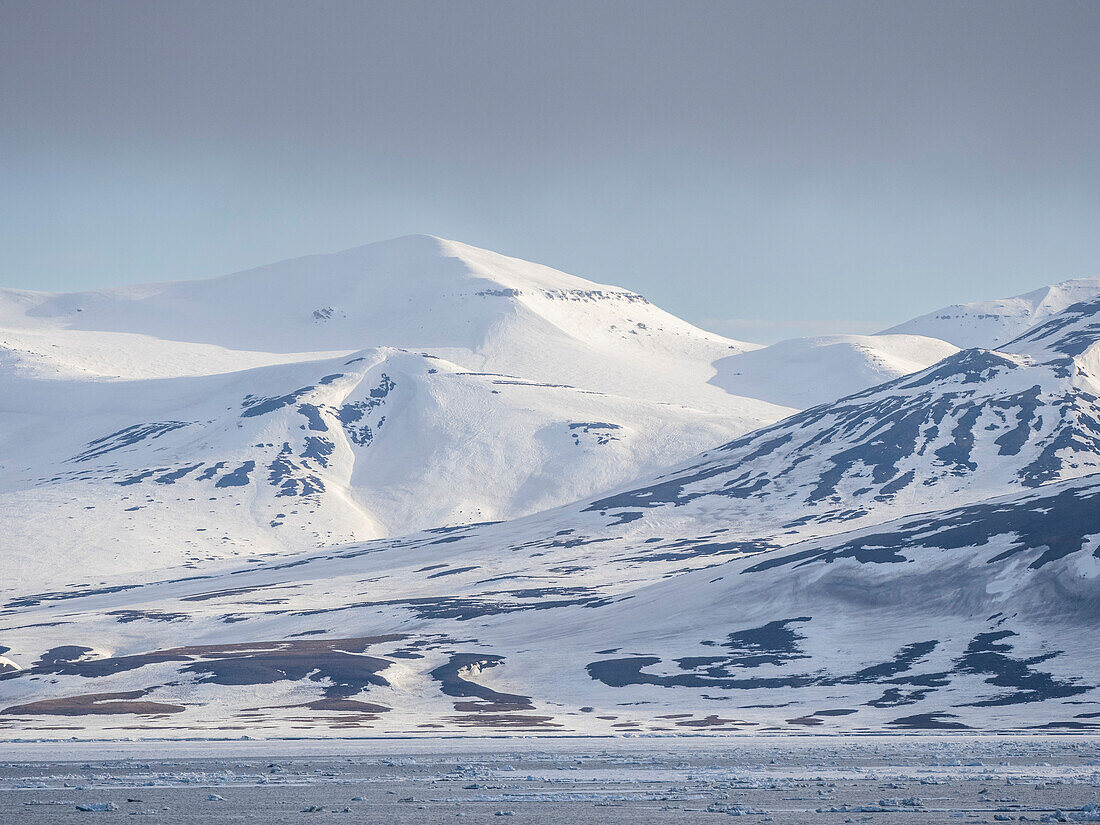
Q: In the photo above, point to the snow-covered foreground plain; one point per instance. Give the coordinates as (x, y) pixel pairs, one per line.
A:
(780, 780)
(418, 489)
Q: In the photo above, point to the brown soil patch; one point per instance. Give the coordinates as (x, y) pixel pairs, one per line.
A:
(93, 704)
(502, 720)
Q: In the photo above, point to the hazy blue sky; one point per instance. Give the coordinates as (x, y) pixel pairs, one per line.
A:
(766, 169)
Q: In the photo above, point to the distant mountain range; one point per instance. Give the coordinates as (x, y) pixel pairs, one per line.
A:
(419, 487)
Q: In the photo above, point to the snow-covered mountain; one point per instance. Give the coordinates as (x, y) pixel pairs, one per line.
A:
(333, 399)
(923, 553)
(993, 323)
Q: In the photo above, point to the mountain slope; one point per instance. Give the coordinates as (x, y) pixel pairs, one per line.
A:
(993, 323)
(972, 617)
(156, 473)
